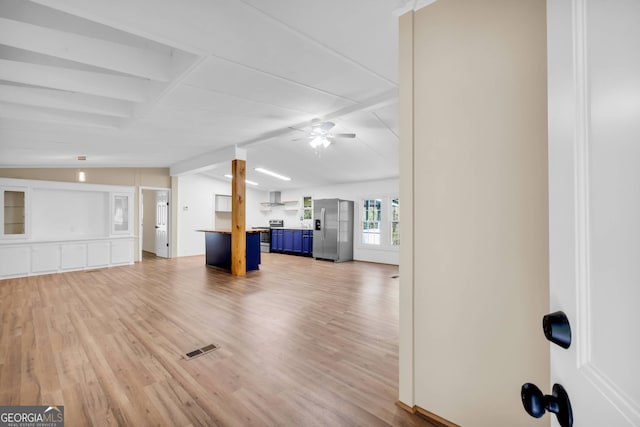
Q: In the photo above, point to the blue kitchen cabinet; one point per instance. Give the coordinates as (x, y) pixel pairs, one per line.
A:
(288, 240)
(277, 240)
(307, 242)
(296, 237)
(292, 241)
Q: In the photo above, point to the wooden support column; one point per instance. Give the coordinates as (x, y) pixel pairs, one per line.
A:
(238, 213)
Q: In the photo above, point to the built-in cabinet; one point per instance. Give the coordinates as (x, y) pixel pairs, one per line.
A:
(121, 213)
(14, 212)
(34, 258)
(223, 203)
(292, 241)
(52, 227)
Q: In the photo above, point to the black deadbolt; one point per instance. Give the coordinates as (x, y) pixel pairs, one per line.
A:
(536, 403)
(557, 329)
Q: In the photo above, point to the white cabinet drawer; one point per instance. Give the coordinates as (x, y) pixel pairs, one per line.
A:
(15, 261)
(122, 252)
(98, 254)
(45, 258)
(74, 256)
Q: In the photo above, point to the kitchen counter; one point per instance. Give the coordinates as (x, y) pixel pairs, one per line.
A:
(291, 228)
(218, 248)
(252, 230)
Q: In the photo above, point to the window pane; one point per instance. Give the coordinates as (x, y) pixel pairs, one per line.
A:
(306, 201)
(395, 233)
(307, 208)
(371, 213)
(395, 221)
(395, 209)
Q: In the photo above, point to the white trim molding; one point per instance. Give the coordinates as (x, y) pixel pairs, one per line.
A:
(405, 6)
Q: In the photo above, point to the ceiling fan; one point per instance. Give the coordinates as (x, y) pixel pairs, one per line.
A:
(320, 133)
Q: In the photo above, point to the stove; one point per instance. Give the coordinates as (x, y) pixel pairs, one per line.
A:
(276, 223)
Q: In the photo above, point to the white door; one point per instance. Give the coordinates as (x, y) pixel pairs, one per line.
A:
(162, 220)
(594, 203)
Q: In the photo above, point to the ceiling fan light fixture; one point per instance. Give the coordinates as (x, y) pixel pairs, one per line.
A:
(319, 140)
(316, 141)
(276, 175)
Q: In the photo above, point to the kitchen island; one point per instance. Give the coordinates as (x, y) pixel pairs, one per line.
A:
(218, 248)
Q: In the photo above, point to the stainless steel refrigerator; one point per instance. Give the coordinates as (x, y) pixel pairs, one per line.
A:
(333, 229)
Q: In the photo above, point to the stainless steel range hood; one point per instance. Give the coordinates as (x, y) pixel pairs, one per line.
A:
(274, 198)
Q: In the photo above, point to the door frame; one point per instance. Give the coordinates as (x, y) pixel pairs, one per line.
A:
(140, 217)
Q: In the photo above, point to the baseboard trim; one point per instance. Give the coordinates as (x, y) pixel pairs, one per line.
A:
(409, 409)
(429, 416)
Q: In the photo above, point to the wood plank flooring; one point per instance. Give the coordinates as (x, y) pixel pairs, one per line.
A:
(302, 343)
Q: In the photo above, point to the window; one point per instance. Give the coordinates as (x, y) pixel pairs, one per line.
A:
(307, 208)
(395, 222)
(371, 213)
(380, 222)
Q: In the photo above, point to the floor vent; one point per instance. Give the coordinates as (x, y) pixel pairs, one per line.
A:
(200, 351)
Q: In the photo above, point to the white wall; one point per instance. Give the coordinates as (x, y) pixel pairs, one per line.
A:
(69, 214)
(196, 195)
(352, 191)
(474, 160)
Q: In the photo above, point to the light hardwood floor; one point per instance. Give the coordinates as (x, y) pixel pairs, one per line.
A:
(302, 343)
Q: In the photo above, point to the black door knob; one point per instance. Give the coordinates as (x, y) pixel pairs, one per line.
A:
(557, 329)
(536, 403)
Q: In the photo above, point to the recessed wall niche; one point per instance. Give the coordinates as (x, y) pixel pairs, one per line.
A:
(69, 214)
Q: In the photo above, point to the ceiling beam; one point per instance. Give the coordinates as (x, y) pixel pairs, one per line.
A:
(207, 161)
(56, 116)
(378, 101)
(78, 102)
(87, 50)
(108, 85)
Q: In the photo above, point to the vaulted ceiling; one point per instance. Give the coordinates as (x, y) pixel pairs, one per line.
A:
(164, 83)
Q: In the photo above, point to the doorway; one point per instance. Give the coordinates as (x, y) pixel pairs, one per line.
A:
(154, 223)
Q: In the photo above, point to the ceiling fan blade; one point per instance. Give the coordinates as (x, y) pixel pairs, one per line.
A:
(343, 135)
(304, 138)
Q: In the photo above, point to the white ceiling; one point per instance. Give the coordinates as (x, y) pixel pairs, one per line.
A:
(164, 82)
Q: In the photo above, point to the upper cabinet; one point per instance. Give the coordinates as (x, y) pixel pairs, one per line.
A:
(223, 203)
(121, 213)
(14, 213)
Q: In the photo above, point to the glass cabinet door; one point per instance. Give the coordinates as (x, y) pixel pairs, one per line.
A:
(14, 212)
(121, 214)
